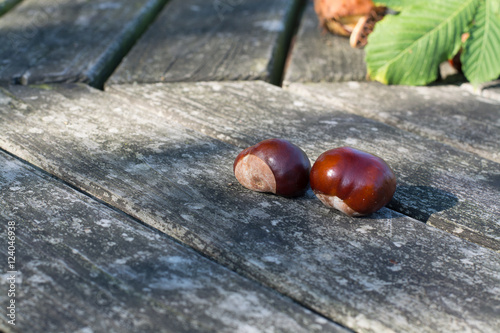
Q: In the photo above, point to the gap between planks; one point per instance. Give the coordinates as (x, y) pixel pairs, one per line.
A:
(19, 171)
(141, 160)
(133, 218)
(6, 5)
(286, 41)
(112, 63)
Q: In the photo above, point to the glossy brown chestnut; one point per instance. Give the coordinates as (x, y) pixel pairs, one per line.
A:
(352, 181)
(275, 166)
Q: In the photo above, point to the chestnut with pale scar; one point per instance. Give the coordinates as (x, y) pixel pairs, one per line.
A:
(275, 166)
(353, 181)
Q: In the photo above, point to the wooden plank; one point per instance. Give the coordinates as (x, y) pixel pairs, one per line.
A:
(199, 40)
(383, 273)
(489, 89)
(439, 185)
(322, 57)
(444, 113)
(492, 92)
(83, 266)
(68, 40)
(6, 5)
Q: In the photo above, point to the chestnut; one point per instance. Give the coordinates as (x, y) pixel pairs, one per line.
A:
(353, 181)
(274, 165)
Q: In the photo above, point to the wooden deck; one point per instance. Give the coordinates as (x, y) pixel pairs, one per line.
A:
(127, 214)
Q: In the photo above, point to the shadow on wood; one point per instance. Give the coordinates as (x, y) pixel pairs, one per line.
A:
(70, 41)
(198, 40)
(425, 201)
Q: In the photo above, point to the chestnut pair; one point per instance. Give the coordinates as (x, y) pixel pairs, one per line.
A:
(352, 181)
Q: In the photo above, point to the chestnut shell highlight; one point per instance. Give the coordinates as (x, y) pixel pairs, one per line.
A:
(352, 181)
(274, 165)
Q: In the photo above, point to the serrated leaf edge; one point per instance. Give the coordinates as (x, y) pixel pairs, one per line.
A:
(409, 48)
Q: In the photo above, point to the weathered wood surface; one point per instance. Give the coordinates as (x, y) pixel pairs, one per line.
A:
(83, 266)
(199, 40)
(492, 92)
(444, 113)
(489, 90)
(319, 56)
(68, 40)
(387, 272)
(438, 185)
(6, 5)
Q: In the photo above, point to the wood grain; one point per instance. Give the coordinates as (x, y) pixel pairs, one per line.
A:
(199, 40)
(318, 56)
(443, 113)
(438, 185)
(387, 272)
(489, 90)
(69, 40)
(84, 266)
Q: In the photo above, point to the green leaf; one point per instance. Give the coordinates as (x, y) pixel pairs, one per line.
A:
(408, 48)
(397, 4)
(481, 55)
